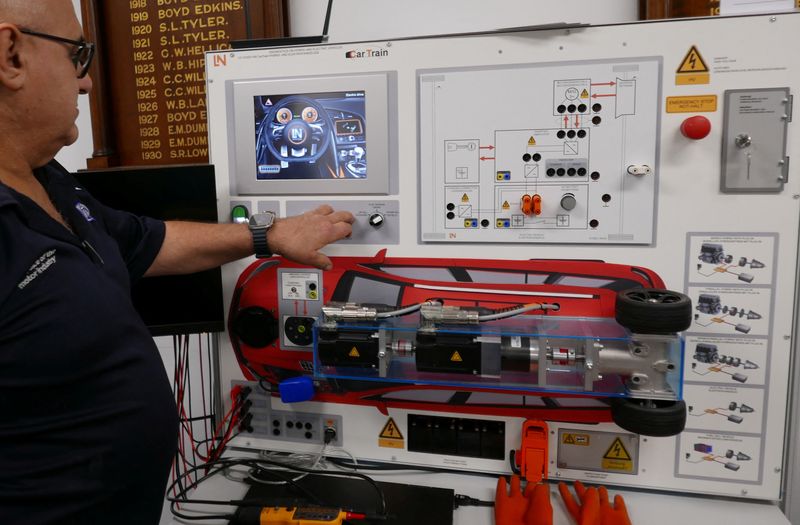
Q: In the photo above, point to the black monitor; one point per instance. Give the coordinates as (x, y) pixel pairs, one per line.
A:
(169, 305)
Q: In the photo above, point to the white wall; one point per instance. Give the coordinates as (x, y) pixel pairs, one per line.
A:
(74, 157)
(359, 20)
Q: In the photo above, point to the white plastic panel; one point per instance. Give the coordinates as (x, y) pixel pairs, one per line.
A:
(579, 137)
(681, 210)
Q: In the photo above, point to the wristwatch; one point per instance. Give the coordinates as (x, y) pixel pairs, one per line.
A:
(259, 224)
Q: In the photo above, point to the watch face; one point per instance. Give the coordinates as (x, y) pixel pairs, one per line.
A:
(262, 219)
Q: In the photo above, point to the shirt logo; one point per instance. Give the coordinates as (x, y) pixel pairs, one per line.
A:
(41, 265)
(85, 211)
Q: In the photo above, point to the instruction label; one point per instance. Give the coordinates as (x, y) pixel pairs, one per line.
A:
(390, 436)
(300, 286)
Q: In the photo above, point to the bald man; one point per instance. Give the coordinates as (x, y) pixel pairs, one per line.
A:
(88, 424)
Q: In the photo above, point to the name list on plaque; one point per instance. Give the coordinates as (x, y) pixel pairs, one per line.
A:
(164, 122)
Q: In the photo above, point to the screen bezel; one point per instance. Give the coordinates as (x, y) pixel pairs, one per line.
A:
(241, 143)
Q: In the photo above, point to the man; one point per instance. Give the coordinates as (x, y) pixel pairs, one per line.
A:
(88, 425)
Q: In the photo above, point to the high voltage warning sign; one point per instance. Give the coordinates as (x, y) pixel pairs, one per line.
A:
(693, 69)
(456, 357)
(390, 436)
(354, 352)
(582, 440)
(617, 457)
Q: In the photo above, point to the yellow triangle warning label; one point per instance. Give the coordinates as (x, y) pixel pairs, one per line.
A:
(456, 357)
(506, 205)
(584, 94)
(390, 431)
(531, 141)
(617, 451)
(354, 352)
(693, 62)
(465, 198)
(568, 439)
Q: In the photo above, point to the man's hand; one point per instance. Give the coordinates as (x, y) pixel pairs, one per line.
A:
(300, 237)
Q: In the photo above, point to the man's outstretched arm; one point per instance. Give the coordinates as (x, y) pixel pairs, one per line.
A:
(192, 246)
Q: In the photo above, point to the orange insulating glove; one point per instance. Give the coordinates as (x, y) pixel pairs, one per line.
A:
(594, 508)
(509, 509)
(616, 515)
(515, 508)
(540, 511)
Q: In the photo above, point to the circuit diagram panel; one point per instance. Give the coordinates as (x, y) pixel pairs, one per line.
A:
(549, 153)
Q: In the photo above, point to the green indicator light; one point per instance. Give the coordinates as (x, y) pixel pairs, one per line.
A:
(240, 214)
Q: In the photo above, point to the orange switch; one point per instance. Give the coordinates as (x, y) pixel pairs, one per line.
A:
(531, 458)
(537, 204)
(527, 204)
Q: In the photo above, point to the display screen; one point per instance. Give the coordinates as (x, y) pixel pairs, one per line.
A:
(311, 136)
(174, 304)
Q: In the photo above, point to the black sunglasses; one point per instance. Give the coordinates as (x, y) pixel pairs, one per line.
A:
(81, 57)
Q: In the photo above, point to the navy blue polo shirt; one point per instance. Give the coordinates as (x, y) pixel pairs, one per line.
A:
(88, 424)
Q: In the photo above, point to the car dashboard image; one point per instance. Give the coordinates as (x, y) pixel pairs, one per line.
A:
(311, 136)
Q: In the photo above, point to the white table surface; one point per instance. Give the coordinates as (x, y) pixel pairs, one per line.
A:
(645, 508)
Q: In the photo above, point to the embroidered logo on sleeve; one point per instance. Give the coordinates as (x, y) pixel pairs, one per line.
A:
(41, 265)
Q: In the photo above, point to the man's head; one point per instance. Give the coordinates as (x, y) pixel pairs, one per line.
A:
(39, 84)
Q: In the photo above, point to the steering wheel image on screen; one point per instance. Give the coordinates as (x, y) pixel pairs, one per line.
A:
(297, 129)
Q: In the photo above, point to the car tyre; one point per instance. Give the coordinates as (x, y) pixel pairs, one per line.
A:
(653, 311)
(649, 417)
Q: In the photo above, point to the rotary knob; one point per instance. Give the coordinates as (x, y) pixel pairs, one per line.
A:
(376, 220)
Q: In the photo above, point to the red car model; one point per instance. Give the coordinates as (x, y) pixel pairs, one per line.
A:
(544, 338)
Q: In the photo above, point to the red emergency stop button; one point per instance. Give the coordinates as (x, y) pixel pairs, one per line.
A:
(696, 128)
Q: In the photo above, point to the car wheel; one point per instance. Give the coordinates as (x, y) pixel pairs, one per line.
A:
(653, 311)
(649, 417)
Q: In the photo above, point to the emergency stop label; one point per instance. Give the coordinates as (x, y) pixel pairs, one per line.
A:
(693, 104)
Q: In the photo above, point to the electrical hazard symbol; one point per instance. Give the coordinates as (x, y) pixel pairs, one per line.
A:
(531, 141)
(584, 94)
(456, 357)
(390, 436)
(354, 352)
(617, 457)
(465, 198)
(506, 205)
(581, 440)
(693, 69)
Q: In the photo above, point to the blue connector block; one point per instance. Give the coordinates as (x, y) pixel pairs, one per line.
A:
(296, 389)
